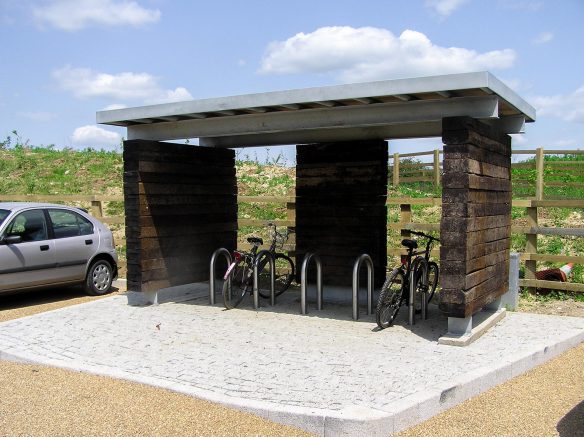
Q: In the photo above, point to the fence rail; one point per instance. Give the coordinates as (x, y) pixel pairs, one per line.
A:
(529, 255)
(409, 172)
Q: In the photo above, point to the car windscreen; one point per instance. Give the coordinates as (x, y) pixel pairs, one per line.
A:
(3, 214)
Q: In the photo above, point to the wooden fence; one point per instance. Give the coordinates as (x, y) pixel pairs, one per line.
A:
(530, 255)
(403, 169)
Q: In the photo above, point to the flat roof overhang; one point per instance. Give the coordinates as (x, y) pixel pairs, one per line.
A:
(392, 109)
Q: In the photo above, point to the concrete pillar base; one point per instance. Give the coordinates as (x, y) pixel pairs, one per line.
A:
(151, 297)
(461, 331)
(458, 326)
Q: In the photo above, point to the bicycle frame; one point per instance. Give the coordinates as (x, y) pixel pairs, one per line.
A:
(406, 264)
(251, 256)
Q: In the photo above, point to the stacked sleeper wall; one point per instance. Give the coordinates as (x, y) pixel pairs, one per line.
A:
(181, 205)
(341, 191)
(476, 216)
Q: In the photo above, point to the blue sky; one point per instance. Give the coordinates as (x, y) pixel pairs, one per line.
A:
(63, 60)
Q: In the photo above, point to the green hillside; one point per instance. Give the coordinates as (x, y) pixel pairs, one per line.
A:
(26, 169)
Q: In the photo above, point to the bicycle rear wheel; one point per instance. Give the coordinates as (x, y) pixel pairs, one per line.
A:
(284, 275)
(234, 290)
(433, 275)
(390, 299)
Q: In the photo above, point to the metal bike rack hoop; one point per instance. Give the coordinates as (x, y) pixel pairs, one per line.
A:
(356, 269)
(216, 254)
(256, 294)
(411, 308)
(304, 283)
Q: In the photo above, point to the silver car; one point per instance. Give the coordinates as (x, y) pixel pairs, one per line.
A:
(43, 245)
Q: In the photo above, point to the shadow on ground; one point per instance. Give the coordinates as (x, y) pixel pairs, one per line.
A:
(572, 424)
(289, 303)
(43, 296)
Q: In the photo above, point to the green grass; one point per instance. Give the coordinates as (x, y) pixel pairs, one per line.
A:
(27, 169)
(551, 175)
(44, 170)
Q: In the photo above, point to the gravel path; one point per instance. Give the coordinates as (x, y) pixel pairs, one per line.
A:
(37, 400)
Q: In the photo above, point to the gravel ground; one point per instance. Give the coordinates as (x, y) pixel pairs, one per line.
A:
(45, 401)
(39, 401)
(546, 401)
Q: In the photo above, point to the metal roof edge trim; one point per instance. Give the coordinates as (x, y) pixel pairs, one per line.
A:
(498, 87)
(424, 84)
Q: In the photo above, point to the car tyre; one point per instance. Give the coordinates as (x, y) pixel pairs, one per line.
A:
(99, 278)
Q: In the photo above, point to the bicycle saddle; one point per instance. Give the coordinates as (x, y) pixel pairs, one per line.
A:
(410, 244)
(255, 240)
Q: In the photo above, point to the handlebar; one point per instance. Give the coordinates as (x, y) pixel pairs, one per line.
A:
(421, 234)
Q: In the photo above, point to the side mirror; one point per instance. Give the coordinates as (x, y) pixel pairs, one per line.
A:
(11, 239)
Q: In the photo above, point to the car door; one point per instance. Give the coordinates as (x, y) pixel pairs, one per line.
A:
(75, 242)
(29, 262)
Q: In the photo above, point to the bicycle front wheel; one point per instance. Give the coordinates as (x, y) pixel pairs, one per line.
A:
(390, 299)
(284, 275)
(433, 275)
(237, 284)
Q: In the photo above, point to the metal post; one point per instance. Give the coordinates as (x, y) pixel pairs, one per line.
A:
(256, 294)
(424, 305)
(227, 255)
(510, 300)
(356, 269)
(304, 282)
(411, 308)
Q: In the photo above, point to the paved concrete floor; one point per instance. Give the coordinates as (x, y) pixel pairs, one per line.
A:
(322, 372)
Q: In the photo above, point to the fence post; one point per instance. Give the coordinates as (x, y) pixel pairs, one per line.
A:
(539, 161)
(405, 210)
(531, 245)
(436, 168)
(395, 169)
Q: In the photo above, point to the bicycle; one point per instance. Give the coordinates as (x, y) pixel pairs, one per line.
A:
(396, 289)
(238, 279)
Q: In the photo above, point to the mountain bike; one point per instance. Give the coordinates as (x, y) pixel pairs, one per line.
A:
(238, 279)
(415, 268)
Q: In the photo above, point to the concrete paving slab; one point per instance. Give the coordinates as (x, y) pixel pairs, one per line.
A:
(322, 372)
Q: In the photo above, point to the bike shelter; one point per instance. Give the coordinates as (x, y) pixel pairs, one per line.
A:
(181, 200)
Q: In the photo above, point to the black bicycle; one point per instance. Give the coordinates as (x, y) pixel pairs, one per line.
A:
(238, 279)
(415, 266)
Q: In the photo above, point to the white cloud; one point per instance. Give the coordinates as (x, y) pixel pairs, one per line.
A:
(543, 38)
(179, 94)
(519, 139)
(72, 15)
(369, 53)
(444, 7)
(84, 83)
(41, 116)
(568, 107)
(94, 136)
(114, 106)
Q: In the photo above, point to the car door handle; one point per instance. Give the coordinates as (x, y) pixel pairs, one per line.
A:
(44, 247)
(88, 242)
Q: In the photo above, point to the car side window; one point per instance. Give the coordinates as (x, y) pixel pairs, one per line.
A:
(69, 224)
(29, 225)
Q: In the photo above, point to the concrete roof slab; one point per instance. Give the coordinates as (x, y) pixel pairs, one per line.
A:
(402, 108)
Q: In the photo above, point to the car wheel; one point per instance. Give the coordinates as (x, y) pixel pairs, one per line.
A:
(99, 278)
